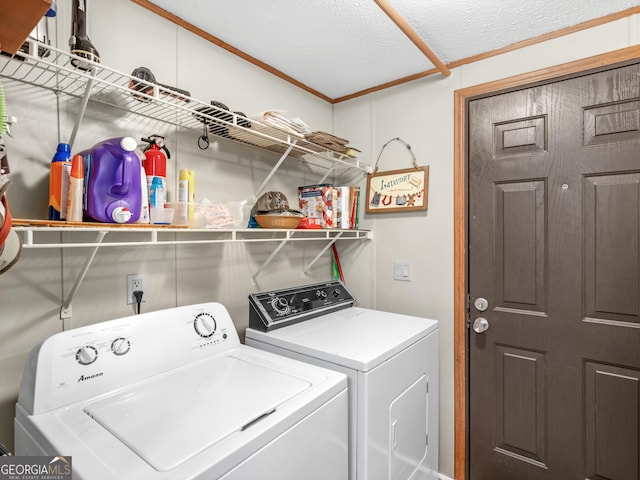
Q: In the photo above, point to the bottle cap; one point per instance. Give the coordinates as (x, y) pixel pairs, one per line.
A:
(63, 153)
(77, 167)
(128, 143)
(121, 215)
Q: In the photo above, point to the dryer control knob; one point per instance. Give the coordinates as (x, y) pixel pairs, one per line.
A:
(120, 346)
(280, 305)
(204, 324)
(86, 355)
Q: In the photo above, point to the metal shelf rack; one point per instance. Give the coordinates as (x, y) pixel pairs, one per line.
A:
(54, 71)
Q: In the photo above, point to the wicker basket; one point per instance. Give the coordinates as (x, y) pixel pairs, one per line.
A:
(278, 221)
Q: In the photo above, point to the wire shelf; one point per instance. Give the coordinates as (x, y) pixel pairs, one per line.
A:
(47, 67)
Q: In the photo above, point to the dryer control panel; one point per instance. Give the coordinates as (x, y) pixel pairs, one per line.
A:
(279, 308)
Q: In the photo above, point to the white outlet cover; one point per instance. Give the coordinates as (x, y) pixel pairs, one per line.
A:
(131, 280)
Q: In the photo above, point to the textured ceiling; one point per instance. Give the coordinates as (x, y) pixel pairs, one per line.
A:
(342, 47)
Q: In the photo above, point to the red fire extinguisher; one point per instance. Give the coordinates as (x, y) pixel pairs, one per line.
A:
(155, 160)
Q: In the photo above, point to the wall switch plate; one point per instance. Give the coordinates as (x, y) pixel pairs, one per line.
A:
(402, 270)
(134, 282)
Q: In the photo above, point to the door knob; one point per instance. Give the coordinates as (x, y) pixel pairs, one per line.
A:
(480, 325)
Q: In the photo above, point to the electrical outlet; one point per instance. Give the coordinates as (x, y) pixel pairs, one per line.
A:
(135, 282)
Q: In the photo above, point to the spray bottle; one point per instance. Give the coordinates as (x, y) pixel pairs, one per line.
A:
(59, 182)
(186, 193)
(157, 200)
(76, 181)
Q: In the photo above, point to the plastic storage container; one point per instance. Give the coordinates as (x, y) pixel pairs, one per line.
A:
(113, 187)
(209, 215)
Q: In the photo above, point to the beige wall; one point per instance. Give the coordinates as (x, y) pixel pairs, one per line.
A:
(421, 113)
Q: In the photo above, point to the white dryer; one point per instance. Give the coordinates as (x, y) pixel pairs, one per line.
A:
(391, 361)
(173, 395)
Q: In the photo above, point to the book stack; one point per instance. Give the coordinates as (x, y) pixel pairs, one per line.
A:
(326, 206)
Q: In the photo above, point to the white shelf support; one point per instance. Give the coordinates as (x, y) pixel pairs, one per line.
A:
(275, 168)
(65, 311)
(326, 175)
(327, 247)
(271, 257)
(83, 107)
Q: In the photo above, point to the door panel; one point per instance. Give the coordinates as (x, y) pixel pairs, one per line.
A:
(519, 137)
(520, 245)
(612, 123)
(554, 247)
(612, 400)
(612, 226)
(520, 410)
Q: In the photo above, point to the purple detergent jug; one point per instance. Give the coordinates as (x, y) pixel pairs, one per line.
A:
(113, 191)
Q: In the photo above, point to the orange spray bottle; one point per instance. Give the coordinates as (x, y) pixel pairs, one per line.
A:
(76, 181)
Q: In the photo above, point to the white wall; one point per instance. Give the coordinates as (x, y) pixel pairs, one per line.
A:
(421, 113)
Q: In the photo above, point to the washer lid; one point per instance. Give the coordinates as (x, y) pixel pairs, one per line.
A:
(162, 420)
(356, 338)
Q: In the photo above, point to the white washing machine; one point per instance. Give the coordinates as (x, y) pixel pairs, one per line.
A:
(391, 362)
(174, 395)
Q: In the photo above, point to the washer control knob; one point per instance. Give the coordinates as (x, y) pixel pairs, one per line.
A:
(120, 346)
(204, 324)
(86, 355)
(321, 294)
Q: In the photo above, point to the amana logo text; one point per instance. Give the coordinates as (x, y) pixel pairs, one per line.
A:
(84, 378)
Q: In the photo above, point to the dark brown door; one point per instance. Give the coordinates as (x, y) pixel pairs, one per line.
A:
(554, 242)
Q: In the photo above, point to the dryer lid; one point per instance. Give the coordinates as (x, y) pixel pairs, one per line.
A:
(168, 420)
(356, 338)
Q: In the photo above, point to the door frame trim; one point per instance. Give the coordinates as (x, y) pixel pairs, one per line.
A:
(461, 98)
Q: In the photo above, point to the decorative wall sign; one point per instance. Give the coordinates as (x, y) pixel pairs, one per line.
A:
(398, 190)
